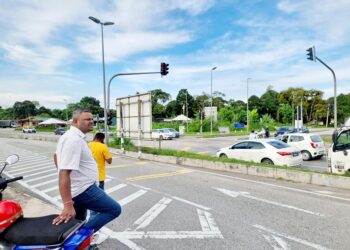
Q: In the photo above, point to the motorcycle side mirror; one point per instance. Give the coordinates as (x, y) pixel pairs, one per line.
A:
(335, 137)
(12, 159)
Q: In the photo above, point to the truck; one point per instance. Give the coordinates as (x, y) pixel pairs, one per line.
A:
(6, 123)
(339, 153)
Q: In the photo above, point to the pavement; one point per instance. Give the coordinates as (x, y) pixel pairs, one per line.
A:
(31, 205)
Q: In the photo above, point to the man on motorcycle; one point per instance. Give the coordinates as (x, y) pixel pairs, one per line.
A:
(77, 177)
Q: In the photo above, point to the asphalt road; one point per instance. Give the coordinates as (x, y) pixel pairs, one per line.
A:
(167, 206)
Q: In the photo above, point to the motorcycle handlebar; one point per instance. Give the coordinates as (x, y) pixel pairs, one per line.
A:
(15, 179)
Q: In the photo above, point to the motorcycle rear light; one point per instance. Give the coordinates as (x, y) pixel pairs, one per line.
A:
(284, 153)
(86, 243)
(314, 145)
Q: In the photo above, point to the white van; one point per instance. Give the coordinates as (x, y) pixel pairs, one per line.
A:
(310, 145)
(339, 152)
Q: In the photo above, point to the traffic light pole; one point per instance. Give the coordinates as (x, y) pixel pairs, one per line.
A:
(108, 97)
(335, 91)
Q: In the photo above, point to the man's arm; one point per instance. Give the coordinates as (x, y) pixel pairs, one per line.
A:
(68, 211)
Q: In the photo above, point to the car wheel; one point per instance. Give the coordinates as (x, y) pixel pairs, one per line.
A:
(306, 155)
(267, 161)
(223, 156)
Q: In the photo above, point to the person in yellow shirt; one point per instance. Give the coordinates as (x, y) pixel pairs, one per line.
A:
(101, 154)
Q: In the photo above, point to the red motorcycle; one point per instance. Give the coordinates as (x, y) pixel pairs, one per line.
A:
(17, 232)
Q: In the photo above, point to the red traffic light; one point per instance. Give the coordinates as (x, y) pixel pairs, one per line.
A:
(164, 68)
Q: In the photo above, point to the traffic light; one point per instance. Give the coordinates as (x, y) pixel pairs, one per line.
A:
(164, 68)
(311, 53)
(109, 118)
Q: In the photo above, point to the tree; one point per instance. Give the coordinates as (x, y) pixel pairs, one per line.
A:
(170, 109)
(181, 98)
(159, 97)
(226, 115)
(24, 109)
(269, 102)
(285, 112)
(254, 102)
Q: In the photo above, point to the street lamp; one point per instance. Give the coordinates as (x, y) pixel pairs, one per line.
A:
(103, 68)
(248, 105)
(211, 99)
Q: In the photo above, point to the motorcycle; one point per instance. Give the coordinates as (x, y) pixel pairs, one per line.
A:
(19, 233)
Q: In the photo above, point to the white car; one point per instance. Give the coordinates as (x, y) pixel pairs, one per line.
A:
(162, 134)
(28, 130)
(269, 151)
(310, 145)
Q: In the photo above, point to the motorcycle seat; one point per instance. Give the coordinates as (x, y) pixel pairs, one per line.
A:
(40, 231)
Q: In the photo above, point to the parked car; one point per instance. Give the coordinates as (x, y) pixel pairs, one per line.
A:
(162, 134)
(176, 133)
(310, 145)
(283, 130)
(60, 131)
(269, 151)
(300, 130)
(28, 130)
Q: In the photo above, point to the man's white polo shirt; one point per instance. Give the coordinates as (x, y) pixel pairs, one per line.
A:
(74, 153)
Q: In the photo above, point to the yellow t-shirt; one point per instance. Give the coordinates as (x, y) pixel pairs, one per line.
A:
(101, 153)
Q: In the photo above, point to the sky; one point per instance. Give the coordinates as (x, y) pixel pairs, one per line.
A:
(51, 52)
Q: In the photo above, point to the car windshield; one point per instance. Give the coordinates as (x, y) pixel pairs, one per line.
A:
(278, 144)
(316, 138)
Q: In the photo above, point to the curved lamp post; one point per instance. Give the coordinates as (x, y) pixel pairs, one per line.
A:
(103, 68)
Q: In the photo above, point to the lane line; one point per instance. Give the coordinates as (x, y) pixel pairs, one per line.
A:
(159, 175)
(137, 164)
(44, 183)
(190, 203)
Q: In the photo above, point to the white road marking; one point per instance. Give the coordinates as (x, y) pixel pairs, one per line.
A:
(115, 188)
(39, 178)
(41, 172)
(300, 241)
(50, 189)
(207, 221)
(277, 243)
(25, 164)
(45, 182)
(26, 168)
(274, 185)
(246, 195)
(190, 203)
(29, 171)
(132, 197)
(324, 192)
(151, 214)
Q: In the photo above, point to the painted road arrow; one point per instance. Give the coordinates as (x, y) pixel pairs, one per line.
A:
(235, 194)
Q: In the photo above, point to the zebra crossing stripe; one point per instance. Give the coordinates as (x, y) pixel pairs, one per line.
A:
(132, 197)
(115, 188)
(31, 167)
(40, 177)
(36, 169)
(152, 213)
(44, 183)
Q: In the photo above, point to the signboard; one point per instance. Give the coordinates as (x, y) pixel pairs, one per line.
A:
(134, 116)
(211, 112)
(238, 125)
